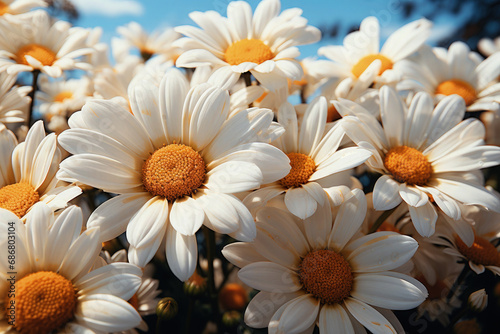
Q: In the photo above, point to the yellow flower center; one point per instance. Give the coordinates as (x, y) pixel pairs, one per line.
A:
(481, 251)
(409, 165)
(326, 275)
(364, 62)
(303, 167)
(63, 96)
(248, 50)
(4, 8)
(37, 51)
(173, 171)
(44, 301)
(18, 198)
(457, 86)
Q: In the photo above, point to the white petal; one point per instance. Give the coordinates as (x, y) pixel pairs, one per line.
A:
(313, 125)
(334, 319)
(224, 77)
(148, 222)
(412, 195)
(386, 193)
(269, 276)
(298, 315)
(288, 118)
(385, 252)
(242, 253)
(81, 254)
(300, 203)
(263, 306)
(234, 177)
(186, 216)
(222, 216)
(424, 219)
(182, 253)
(393, 116)
(368, 317)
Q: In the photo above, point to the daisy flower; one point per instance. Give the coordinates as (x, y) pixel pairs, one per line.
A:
(175, 163)
(263, 44)
(159, 43)
(442, 72)
(55, 291)
(314, 272)
(145, 299)
(28, 172)
(14, 7)
(362, 49)
(13, 100)
(59, 99)
(426, 156)
(32, 42)
(314, 159)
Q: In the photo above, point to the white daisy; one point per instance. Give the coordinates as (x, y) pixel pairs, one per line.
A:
(159, 43)
(13, 100)
(54, 290)
(61, 98)
(28, 172)
(176, 161)
(426, 155)
(313, 272)
(442, 72)
(145, 299)
(14, 7)
(362, 49)
(263, 43)
(33, 42)
(314, 159)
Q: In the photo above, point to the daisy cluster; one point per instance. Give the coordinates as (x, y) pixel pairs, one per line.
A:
(177, 160)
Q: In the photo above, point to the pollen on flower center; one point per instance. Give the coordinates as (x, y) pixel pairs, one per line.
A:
(18, 198)
(248, 50)
(326, 275)
(63, 96)
(173, 171)
(303, 167)
(37, 51)
(481, 251)
(364, 62)
(44, 302)
(4, 8)
(460, 87)
(409, 165)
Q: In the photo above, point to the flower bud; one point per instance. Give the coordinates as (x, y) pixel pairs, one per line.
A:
(478, 300)
(231, 319)
(233, 297)
(195, 285)
(167, 308)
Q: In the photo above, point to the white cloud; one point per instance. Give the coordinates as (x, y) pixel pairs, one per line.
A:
(110, 8)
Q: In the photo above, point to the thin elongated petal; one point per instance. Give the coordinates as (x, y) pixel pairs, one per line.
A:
(271, 277)
(182, 253)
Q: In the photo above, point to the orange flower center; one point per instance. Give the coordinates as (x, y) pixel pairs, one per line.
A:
(409, 165)
(44, 301)
(37, 51)
(303, 167)
(4, 8)
(364, 62)
(332, 114)
(173, 171)
(18, 198)
(481, 251)
(326, 275)
(460, 87)
(63, 96)
(248, 50)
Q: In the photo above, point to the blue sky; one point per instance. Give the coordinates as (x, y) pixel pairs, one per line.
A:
(155, 14)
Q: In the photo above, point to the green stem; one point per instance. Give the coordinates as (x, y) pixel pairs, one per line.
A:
(381, 219)
(212, 291)
(158, 325)
(34, 87)
(189, 314)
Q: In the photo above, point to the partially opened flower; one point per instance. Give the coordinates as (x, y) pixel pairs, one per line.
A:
(263, 43)
(442, 72)
(34, 42)
(315, 159)
(55, 291)
(361, 50)
(175, 163)
(28, 172)
(426, 155)
(315, 272)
